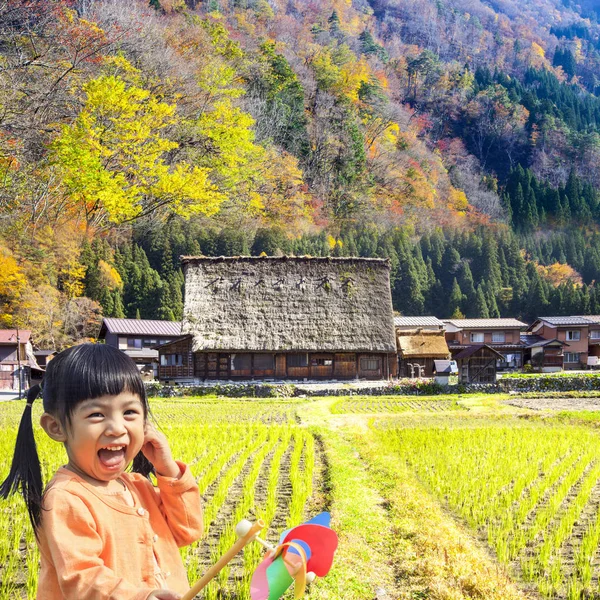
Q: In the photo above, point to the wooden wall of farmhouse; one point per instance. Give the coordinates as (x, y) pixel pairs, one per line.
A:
(228, 365)
(185, 370)
(426, 367)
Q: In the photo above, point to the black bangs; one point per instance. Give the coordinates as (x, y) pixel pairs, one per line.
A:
(101, 371)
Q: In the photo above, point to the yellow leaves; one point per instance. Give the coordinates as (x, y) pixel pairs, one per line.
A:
(255, 203)
(457, 200)
(334, 243)
(391, 133)
(189, 191)
(229, 132)
(12, 278)
(13, 284)
(352, 75)
(109, 276)
(558, 273)
(117, 64)
(537, 50)
(344, 79)
(537, 57)
(113, 157)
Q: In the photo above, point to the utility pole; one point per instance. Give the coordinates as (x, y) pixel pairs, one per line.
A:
(19, 362)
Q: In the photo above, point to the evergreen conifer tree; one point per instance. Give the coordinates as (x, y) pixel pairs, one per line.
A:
(456, 299)
(481, 307)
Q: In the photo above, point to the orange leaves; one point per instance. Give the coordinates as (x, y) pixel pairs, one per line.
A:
(83, 40)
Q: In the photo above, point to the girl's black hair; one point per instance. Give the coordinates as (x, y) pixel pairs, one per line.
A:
(79, 373)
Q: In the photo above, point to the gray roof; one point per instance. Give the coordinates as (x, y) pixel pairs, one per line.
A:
(485, 323)
(143, 354)
(418, 322)
(288, 304)
(573, 320)
(445, 366)
(468, 352)
(141, 327)
(531, 340)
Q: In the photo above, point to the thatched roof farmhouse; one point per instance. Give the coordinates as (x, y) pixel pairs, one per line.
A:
(288, 317)
(418, 349)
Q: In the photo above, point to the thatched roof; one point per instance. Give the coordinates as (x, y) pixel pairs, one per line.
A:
(288, 304)
(423, 343)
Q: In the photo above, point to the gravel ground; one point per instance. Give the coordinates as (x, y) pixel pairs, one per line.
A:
(556, 403)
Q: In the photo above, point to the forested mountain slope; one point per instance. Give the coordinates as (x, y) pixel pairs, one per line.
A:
(460, 139)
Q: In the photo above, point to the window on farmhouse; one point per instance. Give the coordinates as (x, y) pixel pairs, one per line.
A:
(321, 362)
(171, 360)
(595, 334)
(297, 360)
(498, 336)
(149, 342)
(477, 338)
(573, 335)
(369, 364)
(134, 343)
(263, 362)
(241, 362)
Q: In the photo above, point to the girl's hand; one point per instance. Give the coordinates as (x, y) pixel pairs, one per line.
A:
(156, 450)
(164, 595)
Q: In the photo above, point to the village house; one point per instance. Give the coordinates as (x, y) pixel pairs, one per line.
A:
(138, 338)
(43, 357)
(576, 341)
(477, 364)
(283, 317)
(543, 355)
(502, 335)
(420, 341)
(17, 360)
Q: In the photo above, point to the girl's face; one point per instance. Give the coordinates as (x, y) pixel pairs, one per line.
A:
(105, 435)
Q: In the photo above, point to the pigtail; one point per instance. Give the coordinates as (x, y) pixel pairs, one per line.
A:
(142, 465)
(25, 472)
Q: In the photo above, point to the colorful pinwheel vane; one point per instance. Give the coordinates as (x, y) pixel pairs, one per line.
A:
(303, 552)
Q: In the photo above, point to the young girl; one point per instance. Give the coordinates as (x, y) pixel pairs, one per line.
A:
(103, 533)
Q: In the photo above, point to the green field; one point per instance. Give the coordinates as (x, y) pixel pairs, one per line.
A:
(432, 497)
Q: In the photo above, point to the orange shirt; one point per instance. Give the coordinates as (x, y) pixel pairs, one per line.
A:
(95, 547)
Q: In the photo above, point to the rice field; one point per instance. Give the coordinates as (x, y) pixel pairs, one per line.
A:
(392, 404)
(431, 497)
(532, 492)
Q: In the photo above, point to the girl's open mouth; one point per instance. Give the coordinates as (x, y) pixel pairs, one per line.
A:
(112, 457)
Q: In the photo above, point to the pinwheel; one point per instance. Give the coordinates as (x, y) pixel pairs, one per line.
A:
(303, 552)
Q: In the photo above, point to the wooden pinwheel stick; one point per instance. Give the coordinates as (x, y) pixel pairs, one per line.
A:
(250, 534)
(244, 526)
